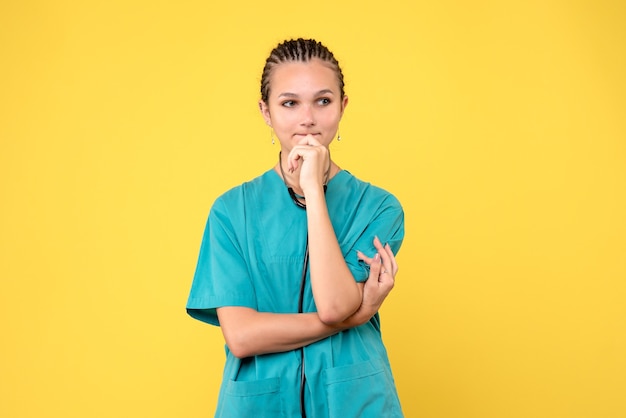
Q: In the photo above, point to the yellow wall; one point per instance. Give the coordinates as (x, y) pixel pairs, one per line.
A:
(500, 125)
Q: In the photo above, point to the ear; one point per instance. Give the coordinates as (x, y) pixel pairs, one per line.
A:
(265, 112)
(344, 103)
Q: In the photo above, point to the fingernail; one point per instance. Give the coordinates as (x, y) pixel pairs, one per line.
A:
(377, 257)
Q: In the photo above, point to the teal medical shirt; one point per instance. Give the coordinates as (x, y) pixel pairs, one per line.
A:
(251, 255)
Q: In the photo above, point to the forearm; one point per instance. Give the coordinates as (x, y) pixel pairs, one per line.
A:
(336, 293)
(250, 333)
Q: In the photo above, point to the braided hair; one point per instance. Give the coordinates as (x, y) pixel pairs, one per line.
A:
(302, 50)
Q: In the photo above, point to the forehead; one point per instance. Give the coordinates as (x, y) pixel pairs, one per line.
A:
(299, 77)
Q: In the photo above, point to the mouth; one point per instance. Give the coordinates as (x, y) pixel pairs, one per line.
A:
(302, 135)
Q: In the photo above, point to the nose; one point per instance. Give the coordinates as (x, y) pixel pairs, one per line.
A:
(307, 118)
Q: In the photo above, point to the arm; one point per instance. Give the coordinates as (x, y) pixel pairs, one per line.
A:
(249, 333)
(337, 295)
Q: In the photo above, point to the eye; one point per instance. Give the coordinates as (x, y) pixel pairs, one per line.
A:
(324, 101)
(288, 103)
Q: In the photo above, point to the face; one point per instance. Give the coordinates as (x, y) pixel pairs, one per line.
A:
(304, 100)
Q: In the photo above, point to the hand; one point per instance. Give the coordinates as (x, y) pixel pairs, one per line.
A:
(383, 270)
(313, 159)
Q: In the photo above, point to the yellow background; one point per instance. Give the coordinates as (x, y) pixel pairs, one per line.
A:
(500, 126)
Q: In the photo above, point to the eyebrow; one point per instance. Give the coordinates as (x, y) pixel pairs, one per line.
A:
(319, 93)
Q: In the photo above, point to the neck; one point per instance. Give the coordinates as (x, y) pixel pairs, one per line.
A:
(292, 179)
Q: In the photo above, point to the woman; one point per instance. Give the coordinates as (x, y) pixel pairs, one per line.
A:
(292, 265)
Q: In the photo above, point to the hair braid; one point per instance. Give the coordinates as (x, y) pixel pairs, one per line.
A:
(302, 50)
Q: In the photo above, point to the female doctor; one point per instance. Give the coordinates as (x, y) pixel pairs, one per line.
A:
(295, 263)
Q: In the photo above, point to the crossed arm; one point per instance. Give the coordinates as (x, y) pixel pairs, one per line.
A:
(248, 332)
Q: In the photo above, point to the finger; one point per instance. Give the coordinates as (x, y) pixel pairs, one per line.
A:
(375, 269)
(300, 152)
(367, 260)
(311, 141)
(389, 260)
(377, 244)
(298, 149)
(386, 278)
(363, 257)
(295, 154)
(386, 260)
(394, 263)
(386, 281)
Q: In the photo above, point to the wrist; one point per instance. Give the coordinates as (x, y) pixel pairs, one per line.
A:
(313, 191)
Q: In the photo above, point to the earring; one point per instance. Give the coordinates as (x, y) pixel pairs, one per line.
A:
(272, 135)
(338, 136)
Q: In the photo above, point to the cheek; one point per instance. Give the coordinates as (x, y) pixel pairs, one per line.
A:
(282, 121)
(333, 119)
(280, 117)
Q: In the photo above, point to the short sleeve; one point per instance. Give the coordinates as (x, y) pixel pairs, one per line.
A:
(387, 223)
(221, 277)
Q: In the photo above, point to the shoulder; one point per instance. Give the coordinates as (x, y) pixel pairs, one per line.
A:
(352, 186)
(238, 195)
